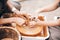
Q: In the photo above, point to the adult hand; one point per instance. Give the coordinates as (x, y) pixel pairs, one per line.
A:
(19, 21)
(32, 23)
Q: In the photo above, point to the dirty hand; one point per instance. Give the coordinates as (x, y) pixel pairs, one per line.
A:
(19, 21)
(32, 23)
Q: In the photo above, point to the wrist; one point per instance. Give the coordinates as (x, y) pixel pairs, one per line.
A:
(13, 19)
(13, 9)
(59, 22)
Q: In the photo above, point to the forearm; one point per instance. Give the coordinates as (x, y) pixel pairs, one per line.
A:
(50, 7)
(50, 23)
(12, 7)
(16, 20)
(6, 20)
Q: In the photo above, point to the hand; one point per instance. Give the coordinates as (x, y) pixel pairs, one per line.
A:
(19, 21)
(24, 15)
(40, 10)
(17, 12)
(32, 23)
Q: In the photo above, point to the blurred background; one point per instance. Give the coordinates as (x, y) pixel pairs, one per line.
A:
(30, 6)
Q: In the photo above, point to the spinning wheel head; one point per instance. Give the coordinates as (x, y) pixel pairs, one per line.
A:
(30, 31)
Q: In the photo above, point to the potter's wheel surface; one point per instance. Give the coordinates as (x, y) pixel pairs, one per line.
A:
(30, 31)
